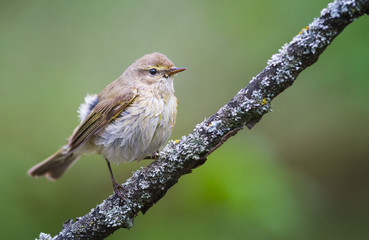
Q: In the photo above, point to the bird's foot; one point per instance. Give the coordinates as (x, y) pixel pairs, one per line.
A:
(154, 156)
(117, 190)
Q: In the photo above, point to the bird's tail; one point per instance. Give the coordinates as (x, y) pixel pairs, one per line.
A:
(54, 166)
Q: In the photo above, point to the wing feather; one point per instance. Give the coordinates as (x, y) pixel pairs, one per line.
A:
(103, 113)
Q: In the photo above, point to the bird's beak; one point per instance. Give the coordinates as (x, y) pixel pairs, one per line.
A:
(175, 70)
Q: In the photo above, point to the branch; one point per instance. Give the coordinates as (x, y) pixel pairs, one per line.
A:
(150, 184)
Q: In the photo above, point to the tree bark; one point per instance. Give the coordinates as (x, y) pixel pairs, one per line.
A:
(150, 184)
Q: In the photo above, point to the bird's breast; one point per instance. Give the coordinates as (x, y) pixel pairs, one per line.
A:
(140, 130)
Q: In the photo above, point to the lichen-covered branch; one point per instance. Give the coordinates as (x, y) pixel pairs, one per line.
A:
(149, 184)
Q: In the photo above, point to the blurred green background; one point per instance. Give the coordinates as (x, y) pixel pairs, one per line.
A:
(301, 173)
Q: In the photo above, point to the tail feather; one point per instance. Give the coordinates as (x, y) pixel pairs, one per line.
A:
(54, 166)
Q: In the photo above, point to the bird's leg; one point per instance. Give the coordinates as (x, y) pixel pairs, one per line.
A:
(116, 186)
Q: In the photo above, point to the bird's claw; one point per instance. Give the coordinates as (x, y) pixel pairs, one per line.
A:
(117, 190)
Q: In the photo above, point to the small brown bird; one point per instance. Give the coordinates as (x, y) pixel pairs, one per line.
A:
(130, 119)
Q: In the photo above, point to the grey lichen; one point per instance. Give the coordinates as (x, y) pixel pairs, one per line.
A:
(45, 236)
(278, 58)
(149, 184)
(117, 216)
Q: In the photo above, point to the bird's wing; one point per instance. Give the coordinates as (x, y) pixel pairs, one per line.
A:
(103, 113)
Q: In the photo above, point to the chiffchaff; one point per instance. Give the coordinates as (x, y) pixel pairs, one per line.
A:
(130, 119)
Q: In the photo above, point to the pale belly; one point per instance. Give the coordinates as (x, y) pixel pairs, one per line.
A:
(138, 132)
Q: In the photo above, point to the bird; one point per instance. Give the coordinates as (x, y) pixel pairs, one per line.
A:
(130, 119)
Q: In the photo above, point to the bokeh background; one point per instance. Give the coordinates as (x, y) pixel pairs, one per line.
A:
(301, 173)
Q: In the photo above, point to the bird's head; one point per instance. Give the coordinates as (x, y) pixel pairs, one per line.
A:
(153, 68)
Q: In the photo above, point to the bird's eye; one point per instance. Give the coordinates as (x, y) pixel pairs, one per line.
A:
(153, 71)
